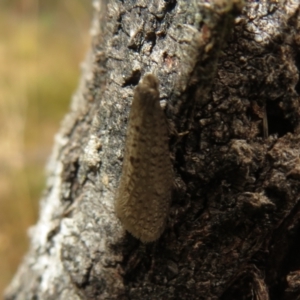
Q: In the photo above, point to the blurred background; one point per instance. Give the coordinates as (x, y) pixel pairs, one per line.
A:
(42, 43)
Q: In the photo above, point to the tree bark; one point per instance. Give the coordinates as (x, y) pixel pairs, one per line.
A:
(231, 89)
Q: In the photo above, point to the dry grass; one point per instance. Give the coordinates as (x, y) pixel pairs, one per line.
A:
(41, 47)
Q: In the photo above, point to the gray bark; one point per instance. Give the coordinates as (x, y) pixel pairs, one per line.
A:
(232, 87)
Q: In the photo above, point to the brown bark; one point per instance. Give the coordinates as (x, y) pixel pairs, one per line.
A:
(232, 86)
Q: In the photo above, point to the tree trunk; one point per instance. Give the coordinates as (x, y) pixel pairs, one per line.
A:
(231, 87)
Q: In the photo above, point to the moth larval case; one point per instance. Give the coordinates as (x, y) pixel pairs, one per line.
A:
(144, 194)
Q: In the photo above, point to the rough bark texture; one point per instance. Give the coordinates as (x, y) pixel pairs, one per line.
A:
(234, 226)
